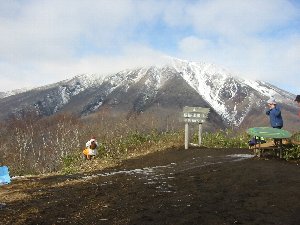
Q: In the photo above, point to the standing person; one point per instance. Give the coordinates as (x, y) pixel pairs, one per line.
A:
(91, 149)
(276, 120)
(274, 113)
(297, 99)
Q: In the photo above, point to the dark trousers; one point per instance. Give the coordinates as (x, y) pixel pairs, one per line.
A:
(278, 142)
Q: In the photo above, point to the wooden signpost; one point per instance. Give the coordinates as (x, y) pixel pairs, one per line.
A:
(194, 115)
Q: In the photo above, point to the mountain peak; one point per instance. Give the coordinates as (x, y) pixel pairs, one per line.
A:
(230, 96)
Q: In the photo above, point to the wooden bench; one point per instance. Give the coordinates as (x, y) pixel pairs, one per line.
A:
(268, 132)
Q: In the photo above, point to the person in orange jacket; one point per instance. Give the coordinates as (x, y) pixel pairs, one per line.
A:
(91, 149)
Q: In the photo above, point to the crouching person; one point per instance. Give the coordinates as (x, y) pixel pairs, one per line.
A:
(91, 149)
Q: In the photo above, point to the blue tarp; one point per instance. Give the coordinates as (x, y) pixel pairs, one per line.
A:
(4, 175)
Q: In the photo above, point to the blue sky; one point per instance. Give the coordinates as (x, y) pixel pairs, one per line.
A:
(45, 41)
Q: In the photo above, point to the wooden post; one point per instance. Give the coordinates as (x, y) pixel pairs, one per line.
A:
(259, 147)
(255, 146)
(200, 134)
(280, 148)
(186, 139)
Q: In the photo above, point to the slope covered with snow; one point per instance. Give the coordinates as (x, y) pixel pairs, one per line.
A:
(221, 89)
(229, 95)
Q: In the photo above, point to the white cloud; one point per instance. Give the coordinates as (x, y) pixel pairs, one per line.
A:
(53, 29)
(234, 17)
(43, 41)
(194, 46)
(18, 75)
(254, 38)
(47, 41)
(275, 61)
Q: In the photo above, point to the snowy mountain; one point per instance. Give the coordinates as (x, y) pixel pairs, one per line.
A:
(170, 87)
(232, 97)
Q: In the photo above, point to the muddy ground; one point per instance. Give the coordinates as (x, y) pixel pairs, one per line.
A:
(195, 186)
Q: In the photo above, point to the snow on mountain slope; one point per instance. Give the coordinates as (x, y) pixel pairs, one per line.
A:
(13, 92)
(230, 96)
(211, 82)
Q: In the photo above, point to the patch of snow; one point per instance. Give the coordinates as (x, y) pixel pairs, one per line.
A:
(256, 85)
(245, 156)
(64, 95)
(95, 107)
(14, 92)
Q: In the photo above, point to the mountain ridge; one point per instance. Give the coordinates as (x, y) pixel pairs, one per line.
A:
(230, 96)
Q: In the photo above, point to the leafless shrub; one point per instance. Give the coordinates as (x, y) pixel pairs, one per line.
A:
(31, 144)
(34, 144)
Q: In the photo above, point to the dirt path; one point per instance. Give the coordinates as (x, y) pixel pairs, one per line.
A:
(195, 186)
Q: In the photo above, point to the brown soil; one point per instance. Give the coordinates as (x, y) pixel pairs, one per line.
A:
(195, 186)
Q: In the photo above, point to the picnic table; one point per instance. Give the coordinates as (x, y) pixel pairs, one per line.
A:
(268, 132)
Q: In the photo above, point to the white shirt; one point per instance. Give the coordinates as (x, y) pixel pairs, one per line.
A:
(92, 151)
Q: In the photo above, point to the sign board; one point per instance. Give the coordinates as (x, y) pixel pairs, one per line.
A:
(187, 109)
(195, 114)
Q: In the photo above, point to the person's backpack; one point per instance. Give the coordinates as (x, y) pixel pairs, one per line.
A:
(255, 140)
